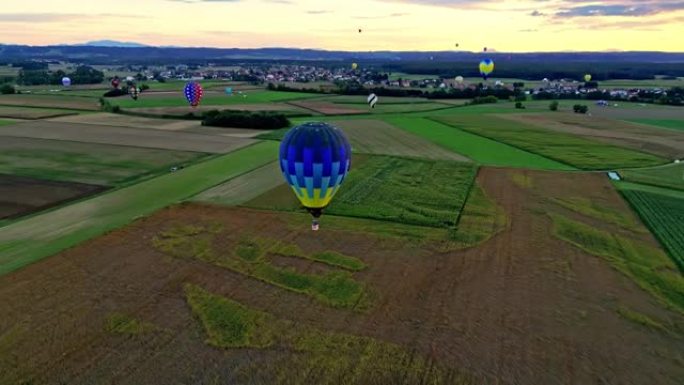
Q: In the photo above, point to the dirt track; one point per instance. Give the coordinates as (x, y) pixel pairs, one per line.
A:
(523, 308)
(21, 196)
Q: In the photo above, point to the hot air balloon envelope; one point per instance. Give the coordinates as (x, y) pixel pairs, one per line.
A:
(587, 78)
(355, 66)
(229, 91)
(486, 68)
(314, 159)
(459, 79)
(66, 82)
(193, 93)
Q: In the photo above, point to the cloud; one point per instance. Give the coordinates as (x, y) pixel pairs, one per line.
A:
(625, 8)
(26, 17)
(396, 14)
(528, 30)
(318, 12)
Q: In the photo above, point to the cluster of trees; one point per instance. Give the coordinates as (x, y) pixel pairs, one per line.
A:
(580, 108)
(82, 75)
(490, 99)
(245, 119)
(7, 89)
(355, 88)
(673, 96)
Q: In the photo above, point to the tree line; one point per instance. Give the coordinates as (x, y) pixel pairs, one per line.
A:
(81, 75)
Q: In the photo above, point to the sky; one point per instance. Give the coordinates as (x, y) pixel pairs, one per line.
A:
(424, 25)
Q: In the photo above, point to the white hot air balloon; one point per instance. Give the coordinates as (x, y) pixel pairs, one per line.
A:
(459, 79)
(66, 82)
(372, 100)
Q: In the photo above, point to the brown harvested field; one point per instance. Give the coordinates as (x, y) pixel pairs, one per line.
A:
(666, 143)
(126, 136)
(21, 195)
(327, 108)
(31, 113)
(120, 120)
(378, 137)
(522, 308)
(50, 101)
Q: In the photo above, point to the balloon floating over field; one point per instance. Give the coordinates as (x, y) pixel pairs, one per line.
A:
(485, 49)
(134, 92)
(355, 66)
(459, 79)
(314, 158)
(116, 82)
(66, 82)
(360, 30)
(587, 78)
(229, 91)
(486, 68)
(193, 93)
(372, 100)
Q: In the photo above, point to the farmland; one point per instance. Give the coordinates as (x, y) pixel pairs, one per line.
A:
(393, 189)
(158, 250)
(664, 215)
(576, 151)
(99, 164)
(664, 123)
(475, 147)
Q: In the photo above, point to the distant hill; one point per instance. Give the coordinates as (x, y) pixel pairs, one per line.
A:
(113, 43)
(114, 52)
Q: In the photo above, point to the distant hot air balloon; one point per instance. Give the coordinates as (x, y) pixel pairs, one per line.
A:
(587, 78)
(315, 158)
(134, 92)
(229, 91)
(372, 100)
(116, 82)
(457, 45)
(360, 30)
(355, 66)
(130, 79)
(66, 82)
(193, 93)
(545, 80)
(459, 79)
(486, 68)
(485, 49)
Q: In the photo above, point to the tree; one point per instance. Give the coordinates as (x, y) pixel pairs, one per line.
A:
(7, 89)
(580, 109)
(519, 106)
(553, 106)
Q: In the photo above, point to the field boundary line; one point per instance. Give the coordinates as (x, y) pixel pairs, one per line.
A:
(473, 180)
(189, 198)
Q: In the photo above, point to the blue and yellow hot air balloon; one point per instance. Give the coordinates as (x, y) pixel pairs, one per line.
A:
(315, 158)
(486, 68)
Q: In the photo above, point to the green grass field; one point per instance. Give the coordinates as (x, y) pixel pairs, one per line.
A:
(410, 191)
(664, 215)
(671, 124)
(178, 100)
(6, 122)
(91, 163)
(572, 150)
(482, 150)
(669, 176)
(37, 237)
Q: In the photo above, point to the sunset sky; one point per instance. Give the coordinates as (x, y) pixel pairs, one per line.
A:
(511, 26)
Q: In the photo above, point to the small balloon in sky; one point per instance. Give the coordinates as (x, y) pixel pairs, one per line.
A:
(66, 82)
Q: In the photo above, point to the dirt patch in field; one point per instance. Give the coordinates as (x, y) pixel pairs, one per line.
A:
(378, 137)
(20, 196)
(49, 101)
(126, 136)
(665, 143)
(327, 108)
(522, 308)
